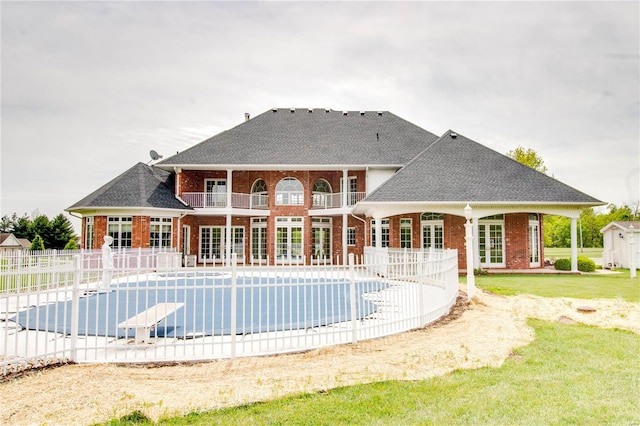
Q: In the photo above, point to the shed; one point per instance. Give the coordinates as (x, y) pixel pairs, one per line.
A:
(10, 242)
(618, 243)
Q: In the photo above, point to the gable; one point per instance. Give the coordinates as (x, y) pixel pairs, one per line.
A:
(308, 137)
(457, 169)
(141, 186)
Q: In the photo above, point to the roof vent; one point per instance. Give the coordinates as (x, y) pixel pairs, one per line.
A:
(454, 135)
(246, 116)
(345, 112)
(362, 112)
(310, 110)
(327, 110)
(292, 110)
(379, 112)
(275, 110)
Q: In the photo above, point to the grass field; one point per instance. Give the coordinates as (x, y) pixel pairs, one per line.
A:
(570, 374)
(592, 286)
(565, 252)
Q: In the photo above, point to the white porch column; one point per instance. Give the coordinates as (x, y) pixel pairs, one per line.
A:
(574, 245)
(476, 244)
(378, 225)
(632, 252)
(227, 243)
(229, 186)
(345, 186)
(471, 278)
(345, 231)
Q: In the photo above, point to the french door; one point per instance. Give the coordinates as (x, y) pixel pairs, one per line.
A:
(321, 234)
(259, 239)
(213, 240)
(491, 243)
(289, 240)
(432, 236)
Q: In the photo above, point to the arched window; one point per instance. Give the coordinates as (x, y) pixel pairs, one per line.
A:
(289, 191)
(259, 193)
(320, 190)
(259, 186)
(431, 216)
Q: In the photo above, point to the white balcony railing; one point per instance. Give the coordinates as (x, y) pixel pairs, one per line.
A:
(219, 200)
(323, 200)
(320, 200)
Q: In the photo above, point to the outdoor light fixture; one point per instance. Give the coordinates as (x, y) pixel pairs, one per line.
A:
(620, 235)
(467, 212)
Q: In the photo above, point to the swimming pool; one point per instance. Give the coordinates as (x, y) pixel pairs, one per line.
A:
(262, 304)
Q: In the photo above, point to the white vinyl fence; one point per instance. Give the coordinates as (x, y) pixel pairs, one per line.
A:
(148, 308)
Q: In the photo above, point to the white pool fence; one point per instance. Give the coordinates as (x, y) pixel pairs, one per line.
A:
(65, 306)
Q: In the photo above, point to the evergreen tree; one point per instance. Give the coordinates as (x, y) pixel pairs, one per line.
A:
(42, 227)
(61, 232)
(37, 243)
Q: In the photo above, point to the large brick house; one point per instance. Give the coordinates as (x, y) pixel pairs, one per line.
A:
(313, 185)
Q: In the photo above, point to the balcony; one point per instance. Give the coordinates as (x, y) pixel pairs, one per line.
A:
(213, 200)
(324, 200)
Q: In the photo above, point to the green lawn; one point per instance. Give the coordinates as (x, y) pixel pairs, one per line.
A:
(569, 375)
(587, 286)
(565, 252)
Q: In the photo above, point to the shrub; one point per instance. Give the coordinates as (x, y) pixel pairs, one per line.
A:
(584, 264)
(563, 264)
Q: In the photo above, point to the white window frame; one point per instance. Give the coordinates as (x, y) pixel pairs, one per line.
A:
(384, 231)
(214, 196)
(351, 236)
(289, 197)
(164, 231)
(484, 225)
(236, 247)
(89, 233)
(534, 240)
(406, 224)
(117, 228)
(325, 224)
(435, 223)
(289, 222)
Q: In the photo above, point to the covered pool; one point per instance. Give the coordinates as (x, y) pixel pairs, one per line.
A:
(263, 304)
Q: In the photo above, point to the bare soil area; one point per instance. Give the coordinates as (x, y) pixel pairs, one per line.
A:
(483, 333)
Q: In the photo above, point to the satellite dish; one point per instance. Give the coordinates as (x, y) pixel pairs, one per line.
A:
(154, 155)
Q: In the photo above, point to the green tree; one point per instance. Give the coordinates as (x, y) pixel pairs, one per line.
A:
(61, 232)
(42, 227)
(528, 157)
(37, 243)
(72, 244)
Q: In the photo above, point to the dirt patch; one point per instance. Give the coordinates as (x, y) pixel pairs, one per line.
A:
(483, 333)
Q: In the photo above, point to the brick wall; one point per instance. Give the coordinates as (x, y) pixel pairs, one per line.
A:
(516, 229)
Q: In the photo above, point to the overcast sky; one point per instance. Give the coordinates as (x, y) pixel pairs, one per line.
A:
(89, 88)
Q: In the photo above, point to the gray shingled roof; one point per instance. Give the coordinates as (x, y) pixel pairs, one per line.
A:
(457, 169)
(141, 186)
(311, 137)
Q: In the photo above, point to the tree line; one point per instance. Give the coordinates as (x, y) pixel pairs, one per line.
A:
(557, 229)
(57, 233)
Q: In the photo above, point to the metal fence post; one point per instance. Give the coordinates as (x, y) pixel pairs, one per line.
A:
(75, 302)
(352, 296)
(234, 300)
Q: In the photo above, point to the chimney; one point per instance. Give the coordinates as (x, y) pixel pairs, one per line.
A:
(246, 116)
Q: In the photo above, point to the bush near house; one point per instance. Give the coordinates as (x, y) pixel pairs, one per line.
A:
(584, 264)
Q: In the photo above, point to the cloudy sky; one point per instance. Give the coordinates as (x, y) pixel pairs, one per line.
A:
(89, 88)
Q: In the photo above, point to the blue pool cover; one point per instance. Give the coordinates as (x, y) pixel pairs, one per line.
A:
(286, 304)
